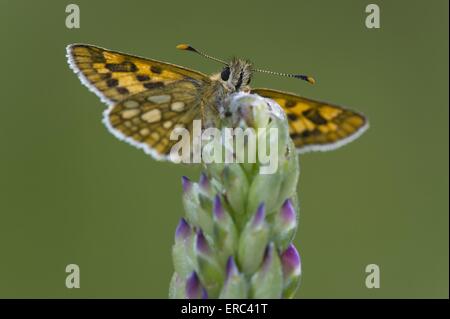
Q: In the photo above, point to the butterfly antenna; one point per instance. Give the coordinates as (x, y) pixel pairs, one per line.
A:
(187, 47)
(306, 78)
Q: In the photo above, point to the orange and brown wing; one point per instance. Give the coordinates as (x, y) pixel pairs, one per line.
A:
(114, 76)
(314, 125)
(147, 119)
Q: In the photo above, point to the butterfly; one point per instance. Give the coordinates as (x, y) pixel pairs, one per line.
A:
(148, 99)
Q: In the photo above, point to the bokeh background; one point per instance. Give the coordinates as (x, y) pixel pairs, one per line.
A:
(72, 193)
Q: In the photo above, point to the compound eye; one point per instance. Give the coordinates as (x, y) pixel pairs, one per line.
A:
(225, 75)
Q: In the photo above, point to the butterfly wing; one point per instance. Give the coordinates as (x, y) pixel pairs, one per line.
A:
(147, 119)
(314, 125)
(147, 98)
(114, 76)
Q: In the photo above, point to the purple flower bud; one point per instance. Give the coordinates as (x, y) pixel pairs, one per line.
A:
(183, 230)
(201, 243)
(218, 208)
(258, 218)
(287, 212)
(194, 288)
(204, 182)
(186, 183)
(231, 269)
(290, 260)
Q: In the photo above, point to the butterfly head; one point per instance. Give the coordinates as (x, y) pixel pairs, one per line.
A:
(237, 75)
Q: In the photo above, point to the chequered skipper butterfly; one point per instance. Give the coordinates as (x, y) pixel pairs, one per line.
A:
(147, 99)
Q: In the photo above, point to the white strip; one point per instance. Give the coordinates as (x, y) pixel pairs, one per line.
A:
(82, 77)
(335, 145)
(148, 150)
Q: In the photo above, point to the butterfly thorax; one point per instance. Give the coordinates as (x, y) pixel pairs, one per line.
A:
(234, 77)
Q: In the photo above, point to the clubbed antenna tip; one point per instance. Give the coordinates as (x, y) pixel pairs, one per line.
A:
(187, 47)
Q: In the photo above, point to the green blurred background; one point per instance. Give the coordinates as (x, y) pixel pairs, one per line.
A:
(72, 193)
